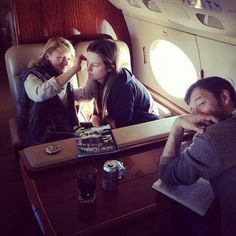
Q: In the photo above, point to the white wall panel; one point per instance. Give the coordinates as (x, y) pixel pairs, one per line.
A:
(218, 58)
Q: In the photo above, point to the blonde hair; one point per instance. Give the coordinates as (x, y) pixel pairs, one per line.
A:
(52, 45)
(109, 53)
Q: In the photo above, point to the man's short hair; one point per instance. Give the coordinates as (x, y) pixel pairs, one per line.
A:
(213, 84)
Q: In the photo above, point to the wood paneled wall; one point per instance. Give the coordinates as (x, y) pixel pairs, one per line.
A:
(35, 20)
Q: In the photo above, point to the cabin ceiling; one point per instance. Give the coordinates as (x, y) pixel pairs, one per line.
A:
(178, 14)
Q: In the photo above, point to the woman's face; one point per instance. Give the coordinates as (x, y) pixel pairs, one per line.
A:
(61, 59)
(96, 67)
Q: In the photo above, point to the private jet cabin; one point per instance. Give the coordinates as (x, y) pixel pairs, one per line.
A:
(167, 44)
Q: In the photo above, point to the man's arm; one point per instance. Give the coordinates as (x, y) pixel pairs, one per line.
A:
(121, 105)
(172, 147)
(175, 167)
(196, 123)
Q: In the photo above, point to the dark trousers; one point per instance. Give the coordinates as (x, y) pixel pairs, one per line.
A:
(186, 222)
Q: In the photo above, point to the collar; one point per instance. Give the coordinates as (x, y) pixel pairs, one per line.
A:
(234, 113)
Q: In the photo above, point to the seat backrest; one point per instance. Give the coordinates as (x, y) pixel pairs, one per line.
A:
(123, 59)
(17, 59)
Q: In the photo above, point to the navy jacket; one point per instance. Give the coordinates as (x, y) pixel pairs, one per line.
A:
(49, 120)
(129, 101)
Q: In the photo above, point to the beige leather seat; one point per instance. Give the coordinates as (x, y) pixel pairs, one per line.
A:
(17, 59)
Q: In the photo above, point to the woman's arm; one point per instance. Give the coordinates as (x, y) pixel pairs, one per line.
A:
(63, 78)
(84, 93)
(39, 91)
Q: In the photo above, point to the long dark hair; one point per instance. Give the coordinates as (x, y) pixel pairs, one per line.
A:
(109, 52)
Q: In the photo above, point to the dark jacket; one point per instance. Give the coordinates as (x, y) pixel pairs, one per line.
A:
(49, 120)
(129, 101)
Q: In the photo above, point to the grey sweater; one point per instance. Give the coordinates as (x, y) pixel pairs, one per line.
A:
(212, 155)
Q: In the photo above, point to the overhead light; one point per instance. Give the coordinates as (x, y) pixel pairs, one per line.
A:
(210, 21)
(134, 3)
(151, 5)
(203, 4)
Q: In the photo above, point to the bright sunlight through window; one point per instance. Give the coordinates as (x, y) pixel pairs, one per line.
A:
(172, 68)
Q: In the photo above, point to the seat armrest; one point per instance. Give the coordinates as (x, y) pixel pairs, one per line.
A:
(144, 133)
(15, 136)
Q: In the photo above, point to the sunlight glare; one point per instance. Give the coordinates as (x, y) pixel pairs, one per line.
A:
(172, 68)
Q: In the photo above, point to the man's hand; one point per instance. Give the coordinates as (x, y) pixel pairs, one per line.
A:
(196, 123)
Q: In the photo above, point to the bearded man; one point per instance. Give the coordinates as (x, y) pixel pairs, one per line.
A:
(212, 154)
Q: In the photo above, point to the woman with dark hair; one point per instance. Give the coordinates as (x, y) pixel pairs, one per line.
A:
(120, 99)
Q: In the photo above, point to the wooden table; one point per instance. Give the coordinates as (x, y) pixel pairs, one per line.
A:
(134, 209)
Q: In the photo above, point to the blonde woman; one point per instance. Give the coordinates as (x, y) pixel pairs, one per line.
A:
(47, 108)
(121, 100)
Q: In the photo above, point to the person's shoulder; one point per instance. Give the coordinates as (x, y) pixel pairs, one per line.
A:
(227, 123)
(217, 131)
(25, 73)
(127, 81)
(121, 79)
(126, 75)
(130, 79)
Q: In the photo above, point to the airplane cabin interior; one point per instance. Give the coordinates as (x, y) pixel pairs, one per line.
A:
(167, 44)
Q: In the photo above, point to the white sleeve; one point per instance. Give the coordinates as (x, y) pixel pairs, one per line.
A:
(84, 93)
(39, 91)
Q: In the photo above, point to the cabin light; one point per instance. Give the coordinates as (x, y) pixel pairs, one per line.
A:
(134, 3)
(210, 21)
(151, 5)
(203, 4)
(205, 21)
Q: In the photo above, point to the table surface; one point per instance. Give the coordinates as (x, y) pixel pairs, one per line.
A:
(54, 199)
(126, 138)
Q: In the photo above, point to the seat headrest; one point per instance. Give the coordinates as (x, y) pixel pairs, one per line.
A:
(17, 59)
(123, 60)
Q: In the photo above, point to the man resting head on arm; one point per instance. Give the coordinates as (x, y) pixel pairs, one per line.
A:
(212, 154)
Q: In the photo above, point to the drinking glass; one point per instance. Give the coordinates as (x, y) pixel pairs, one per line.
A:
(86, 183)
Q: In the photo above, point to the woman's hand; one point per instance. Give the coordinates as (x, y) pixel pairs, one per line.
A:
(111, 122)
(77, 61)
(96, 120)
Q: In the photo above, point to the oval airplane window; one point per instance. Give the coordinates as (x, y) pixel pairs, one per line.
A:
(172, 68)
(104, 27)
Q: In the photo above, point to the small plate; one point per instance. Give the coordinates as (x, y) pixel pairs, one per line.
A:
(52, 149)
